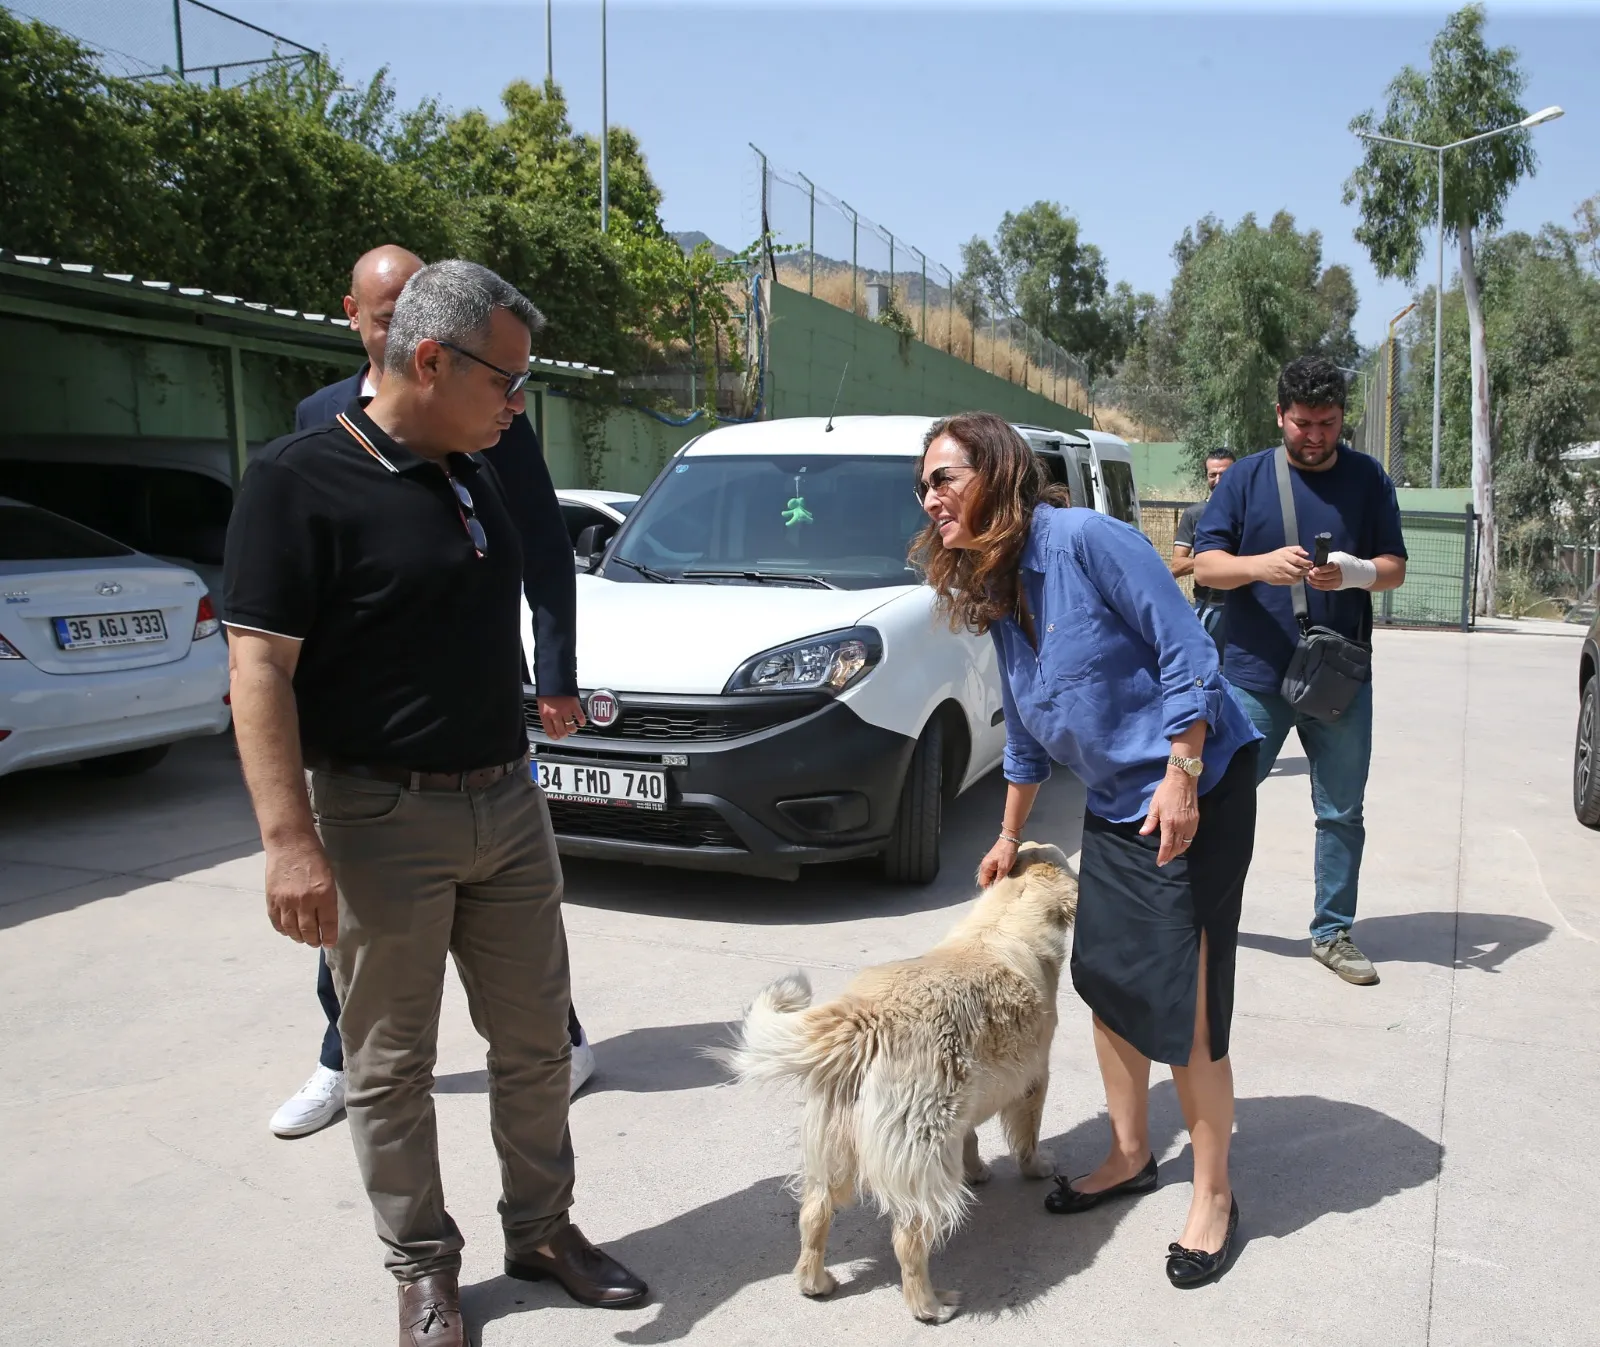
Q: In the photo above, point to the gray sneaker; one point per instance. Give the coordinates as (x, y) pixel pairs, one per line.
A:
(1341, 955)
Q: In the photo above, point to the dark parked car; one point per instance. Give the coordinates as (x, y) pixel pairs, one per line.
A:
(1586, 754)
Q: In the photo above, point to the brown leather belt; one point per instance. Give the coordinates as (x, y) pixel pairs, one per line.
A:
(476, 779)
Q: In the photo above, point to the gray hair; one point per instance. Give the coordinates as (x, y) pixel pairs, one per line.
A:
(454, 302)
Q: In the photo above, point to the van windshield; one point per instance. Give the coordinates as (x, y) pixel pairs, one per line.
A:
(845, 519)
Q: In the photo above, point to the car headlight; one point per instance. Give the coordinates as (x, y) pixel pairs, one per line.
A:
(828, 663)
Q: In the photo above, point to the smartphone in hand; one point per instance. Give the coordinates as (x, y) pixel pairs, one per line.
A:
(1324, 541)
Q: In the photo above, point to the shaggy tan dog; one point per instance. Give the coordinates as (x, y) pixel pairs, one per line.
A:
(898, 1071)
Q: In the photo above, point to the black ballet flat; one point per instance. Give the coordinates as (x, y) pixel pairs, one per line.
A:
(1068, 1201)
(1191, 1267)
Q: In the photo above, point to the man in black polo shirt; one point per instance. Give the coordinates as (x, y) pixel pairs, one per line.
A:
(376, 280)
(372, 577)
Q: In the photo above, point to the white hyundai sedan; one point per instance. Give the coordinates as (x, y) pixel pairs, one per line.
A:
(107, 656)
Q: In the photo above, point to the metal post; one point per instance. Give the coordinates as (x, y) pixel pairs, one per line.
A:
(950, 296)
(855, 234)
(919, 253)
(811, 237)
(238, 433)
(177, 33)
(605, 131)
(893, 302)
(1438, 334)
(549, 44)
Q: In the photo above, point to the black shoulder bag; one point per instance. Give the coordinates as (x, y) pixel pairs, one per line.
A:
(1327, 669)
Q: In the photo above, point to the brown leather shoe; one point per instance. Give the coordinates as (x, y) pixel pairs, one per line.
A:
(590, 1275)
(430, 1313)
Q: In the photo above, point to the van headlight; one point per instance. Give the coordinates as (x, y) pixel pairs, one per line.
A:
(828, 663)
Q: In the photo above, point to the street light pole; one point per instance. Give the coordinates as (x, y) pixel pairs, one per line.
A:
(605, 131)
(1526, 124)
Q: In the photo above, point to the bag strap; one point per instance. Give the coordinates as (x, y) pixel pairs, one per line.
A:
(1291, 533)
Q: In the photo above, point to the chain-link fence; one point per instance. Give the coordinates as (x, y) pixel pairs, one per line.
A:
(824, 246)
(1159, 520)
(168, 39)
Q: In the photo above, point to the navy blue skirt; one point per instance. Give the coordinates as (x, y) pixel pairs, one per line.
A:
(1136, 941)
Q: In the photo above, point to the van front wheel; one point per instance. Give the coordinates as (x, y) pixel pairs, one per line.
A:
(912, 856)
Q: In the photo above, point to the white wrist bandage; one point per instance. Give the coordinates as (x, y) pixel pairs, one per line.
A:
(1358, 574)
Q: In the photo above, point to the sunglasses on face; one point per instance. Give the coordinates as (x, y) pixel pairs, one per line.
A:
(514, 382)
(938, 481)
(469, 519)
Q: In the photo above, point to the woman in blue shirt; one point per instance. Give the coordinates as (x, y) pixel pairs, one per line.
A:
(1106, 670)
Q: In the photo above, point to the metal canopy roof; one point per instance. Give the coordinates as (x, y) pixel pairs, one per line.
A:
(81, 295)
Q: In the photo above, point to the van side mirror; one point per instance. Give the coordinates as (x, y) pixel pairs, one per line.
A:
(592, 541)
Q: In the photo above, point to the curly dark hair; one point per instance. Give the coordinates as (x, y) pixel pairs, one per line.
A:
(976, 587)
(1312, 381)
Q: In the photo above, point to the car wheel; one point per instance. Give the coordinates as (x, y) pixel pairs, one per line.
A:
(126, 764)
(912, 856)
(1586, 757)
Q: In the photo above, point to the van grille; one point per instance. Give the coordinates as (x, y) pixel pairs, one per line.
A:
(685, 722)
(688, 826)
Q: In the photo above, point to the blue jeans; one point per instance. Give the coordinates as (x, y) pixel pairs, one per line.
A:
(1211, 617)
(1339, 756)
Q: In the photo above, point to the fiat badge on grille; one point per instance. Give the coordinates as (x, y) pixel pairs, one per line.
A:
(603, 709)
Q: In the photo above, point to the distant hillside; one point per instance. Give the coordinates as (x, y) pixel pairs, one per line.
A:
(693, 238)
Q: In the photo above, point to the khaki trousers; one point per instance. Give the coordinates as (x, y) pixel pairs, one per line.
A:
(474, 873)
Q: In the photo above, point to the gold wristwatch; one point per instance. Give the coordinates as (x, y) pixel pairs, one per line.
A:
(1193, 766)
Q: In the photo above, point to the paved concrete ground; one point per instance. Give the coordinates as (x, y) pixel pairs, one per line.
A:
(1409, 1161)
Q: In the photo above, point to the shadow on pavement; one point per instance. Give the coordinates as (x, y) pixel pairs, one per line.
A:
(831, 893)
(1297, 1158)
(1483, 940)
(1290, 767)
(641, 1061)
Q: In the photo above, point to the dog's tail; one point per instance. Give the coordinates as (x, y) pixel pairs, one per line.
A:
(784, 1038)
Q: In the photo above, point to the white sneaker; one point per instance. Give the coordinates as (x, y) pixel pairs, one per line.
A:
(582, 1062)
(314, 1105)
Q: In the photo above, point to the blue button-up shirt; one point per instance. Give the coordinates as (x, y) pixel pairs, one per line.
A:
(1123, 666)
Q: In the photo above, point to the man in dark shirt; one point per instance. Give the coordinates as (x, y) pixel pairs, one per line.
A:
(373, 572)
(1208, 603)
(376, 281)
(1241, 548)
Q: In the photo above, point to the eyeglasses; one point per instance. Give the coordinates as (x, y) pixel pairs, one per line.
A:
(938, 481)
(469, 519)
(514, 382)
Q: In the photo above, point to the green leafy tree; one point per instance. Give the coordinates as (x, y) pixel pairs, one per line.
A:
(70, 158)
(1542, 309)
(1245, 301)
(269, 190)
(1469, 88)
(1040, 267)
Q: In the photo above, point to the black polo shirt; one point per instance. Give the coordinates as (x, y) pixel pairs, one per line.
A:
(411, 654)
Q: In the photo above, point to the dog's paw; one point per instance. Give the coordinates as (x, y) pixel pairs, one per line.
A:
(1040, 1165)
(979, 1173)
(941, 1309)
(823, 1283)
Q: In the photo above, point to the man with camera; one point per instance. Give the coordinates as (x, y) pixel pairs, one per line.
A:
(1300, 538)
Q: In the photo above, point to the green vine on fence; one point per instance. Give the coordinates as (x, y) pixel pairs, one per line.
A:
(589, 420)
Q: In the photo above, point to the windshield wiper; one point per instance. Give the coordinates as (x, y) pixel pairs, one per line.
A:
(642, 569)
(762, 577)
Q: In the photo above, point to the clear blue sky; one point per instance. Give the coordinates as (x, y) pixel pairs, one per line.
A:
(935, 119)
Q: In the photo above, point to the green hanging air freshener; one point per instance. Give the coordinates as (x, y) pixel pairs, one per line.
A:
(795, 511)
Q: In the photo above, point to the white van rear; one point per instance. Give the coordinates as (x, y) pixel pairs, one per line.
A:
(1094, 466)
